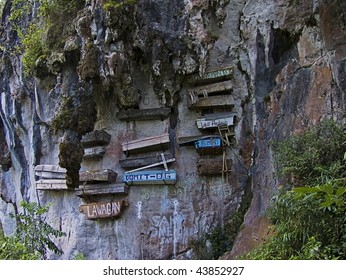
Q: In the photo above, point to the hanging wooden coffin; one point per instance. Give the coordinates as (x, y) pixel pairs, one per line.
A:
(211, 76)
(92, 176)
(47, 171)
(209, 146)
(102, 189)
(217, 101)
(52, 185)
(103, 210)
(144, 114)
(215, 120)
(150, 177)
(135, 162)
(94, 153)
(214, 166)
(146, 144)
(96, 138)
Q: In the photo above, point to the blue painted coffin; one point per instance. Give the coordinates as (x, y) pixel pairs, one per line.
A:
(211, 145)
(150, 177)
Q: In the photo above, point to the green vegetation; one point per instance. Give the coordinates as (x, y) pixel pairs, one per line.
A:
(308, 220)
(213, 244)
(116, 4)
(312, 157)
(43, 30)
(33, 236)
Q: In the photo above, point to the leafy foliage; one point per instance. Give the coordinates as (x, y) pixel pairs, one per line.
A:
(116, 4)
(313, 156)
(33, 236)
(42, 29)
(309, 221)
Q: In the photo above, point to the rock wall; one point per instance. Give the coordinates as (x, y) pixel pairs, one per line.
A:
(287, 64)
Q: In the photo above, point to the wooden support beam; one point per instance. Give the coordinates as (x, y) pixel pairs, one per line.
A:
(144, 114)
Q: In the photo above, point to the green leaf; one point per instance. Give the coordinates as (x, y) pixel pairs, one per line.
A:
(327, 188)
(327, 203)
(341, 191)
(306, 190)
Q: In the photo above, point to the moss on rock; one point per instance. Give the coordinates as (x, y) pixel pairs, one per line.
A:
(70, 157)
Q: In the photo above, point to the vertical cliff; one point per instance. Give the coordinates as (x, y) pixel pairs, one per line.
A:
(106, 80)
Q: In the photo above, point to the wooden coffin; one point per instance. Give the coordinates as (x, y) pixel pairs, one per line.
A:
(47, 171)
(96, 138)
(150, 177)
(144, 114)
(102, 189)
(214, 166)
(136, 162)
(209, 146)
(217, 101)
(51, 185)
(212, 89)
(92, 176)
(211, 76)
(215, 120)
(146, 144)
(94, 153)
(190, 140)
(101, 210)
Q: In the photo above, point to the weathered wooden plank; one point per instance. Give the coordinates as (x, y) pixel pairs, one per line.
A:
(136, 162)
(144, 114)
(202, 91)
(96, 138)
(217, 101)
(213, 166)
(214, 120)
(94, 153)
(102, 189)
(150, 177)
(190, 140)
(148, 143)
(48, 171)
(105, 175)
(211, 76)
(209, 146)
(52, 185)
(100, 210)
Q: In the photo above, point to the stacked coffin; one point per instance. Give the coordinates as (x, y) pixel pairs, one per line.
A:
(52, 177)
(139, 165)
(99, 182)
(211, 94)
(95, 143)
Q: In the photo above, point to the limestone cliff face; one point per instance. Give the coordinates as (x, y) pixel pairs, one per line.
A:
(287, 63)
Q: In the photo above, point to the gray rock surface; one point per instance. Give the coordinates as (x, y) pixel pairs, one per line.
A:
(288, 59)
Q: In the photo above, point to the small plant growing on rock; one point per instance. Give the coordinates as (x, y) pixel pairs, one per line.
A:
(33, 236)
